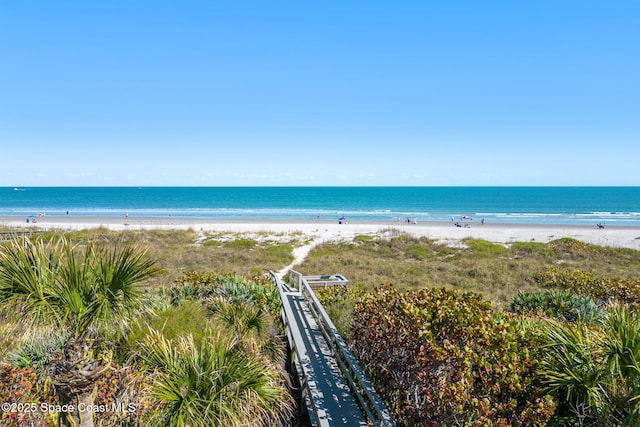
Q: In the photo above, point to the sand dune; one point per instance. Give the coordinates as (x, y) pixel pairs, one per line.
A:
(328, 230)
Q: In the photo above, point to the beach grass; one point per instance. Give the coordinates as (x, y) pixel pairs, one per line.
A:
(496, 271)
(181, 251)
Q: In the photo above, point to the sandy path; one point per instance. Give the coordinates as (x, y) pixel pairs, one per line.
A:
(299, 254)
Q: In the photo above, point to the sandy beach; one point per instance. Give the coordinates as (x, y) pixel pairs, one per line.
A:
(323, 230)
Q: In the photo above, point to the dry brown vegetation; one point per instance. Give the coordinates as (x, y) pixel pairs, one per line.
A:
(181, 251)
(496, 271)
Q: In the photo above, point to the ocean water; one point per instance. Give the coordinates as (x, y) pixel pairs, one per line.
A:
(536, 205)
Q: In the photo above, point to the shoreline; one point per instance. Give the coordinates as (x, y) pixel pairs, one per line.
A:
(328, 230)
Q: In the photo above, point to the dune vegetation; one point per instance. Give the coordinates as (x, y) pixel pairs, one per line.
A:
(483, 334)
(135, 324)
(99, 328)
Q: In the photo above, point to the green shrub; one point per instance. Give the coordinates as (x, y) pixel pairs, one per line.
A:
(528, 248)
(279, 254)
(364, 238)
(214, 383)
(594, 372)
(439, 357)
(558, 304)
(233, 288)
(585, 283)
(485, 248)
(37, 351)
(419, 252)
(338, 302)
(241, 244)
(187, 318)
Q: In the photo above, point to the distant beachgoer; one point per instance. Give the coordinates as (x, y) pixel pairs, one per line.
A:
(482, 221)
(126, 215)
(67, 212)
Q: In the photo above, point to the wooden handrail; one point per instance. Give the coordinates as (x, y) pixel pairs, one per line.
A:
(359, 384)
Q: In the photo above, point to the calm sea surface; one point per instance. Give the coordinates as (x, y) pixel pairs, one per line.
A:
(558, 205)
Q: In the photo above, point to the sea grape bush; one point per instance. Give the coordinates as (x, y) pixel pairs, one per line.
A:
(120, 397)
(585, 283)
(440, 357)
(20, 386)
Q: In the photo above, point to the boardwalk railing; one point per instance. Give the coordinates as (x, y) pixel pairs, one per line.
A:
(360, 390)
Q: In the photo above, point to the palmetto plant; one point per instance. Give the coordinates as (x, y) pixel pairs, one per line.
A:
(559, 304)
(215, 383)
(595, 371)
(82, 292)
(252, 324)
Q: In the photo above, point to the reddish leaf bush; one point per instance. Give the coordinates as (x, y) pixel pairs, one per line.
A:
(585, 283)
(21, 395)
(438, 357)
(120, 399)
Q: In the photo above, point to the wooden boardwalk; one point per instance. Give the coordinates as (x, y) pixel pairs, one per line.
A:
(335, 390)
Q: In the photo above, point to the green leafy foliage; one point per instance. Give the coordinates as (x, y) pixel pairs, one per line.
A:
(37, 351)
(485, 248)
(241, 244)
(594, 371)
(440, 357)
(558, 304)
(338, 301)
(208, 286)
(495, 271)
(188, 318)
(216, 383)
(585, 283)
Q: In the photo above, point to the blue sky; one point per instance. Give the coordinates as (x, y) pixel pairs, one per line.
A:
(319, 93)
